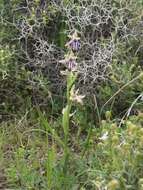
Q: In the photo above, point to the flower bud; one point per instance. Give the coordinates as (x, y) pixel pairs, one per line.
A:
(131, 127)
(103, 123)
(115, 139)
(108, 115)
(141, 181)
(113, 184)
(141, 141)
(126, 148)
(140, 184)
(141, 131)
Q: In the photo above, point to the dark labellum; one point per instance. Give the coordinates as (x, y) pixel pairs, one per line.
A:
(71, 64)
(75, 45)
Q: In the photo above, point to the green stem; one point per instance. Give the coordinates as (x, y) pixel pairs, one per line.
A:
(87, 141)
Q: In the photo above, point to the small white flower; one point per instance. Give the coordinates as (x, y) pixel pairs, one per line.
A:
(104, 136)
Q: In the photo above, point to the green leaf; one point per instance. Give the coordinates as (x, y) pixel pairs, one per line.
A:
(49, 129)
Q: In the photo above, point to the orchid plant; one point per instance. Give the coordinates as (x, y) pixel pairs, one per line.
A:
(73, 96)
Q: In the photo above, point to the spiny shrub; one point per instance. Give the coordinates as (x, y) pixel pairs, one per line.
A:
(102, 24)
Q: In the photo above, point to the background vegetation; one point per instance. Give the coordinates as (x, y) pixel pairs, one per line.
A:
(48, 141)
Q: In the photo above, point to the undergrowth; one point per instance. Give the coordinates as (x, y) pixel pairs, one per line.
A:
(71, 95)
